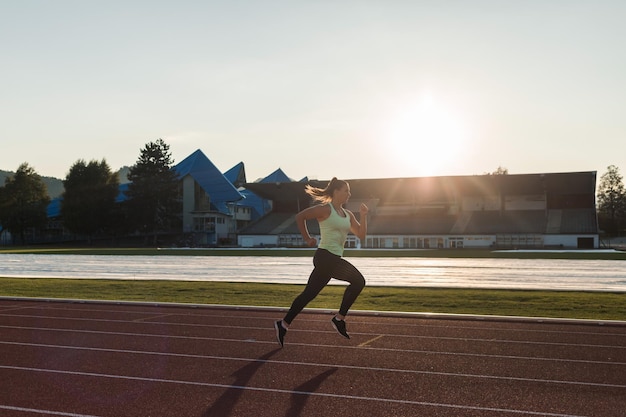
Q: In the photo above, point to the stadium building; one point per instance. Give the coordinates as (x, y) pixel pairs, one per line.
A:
(555, 210)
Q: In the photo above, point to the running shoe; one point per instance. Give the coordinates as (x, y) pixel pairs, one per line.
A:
(340, 326)
(280, 332)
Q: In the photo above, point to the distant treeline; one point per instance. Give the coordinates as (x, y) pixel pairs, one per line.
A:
(55, 185)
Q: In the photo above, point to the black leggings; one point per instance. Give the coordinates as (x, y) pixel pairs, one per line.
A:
(327, 266)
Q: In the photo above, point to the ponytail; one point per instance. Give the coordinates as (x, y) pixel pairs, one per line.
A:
(324, 195)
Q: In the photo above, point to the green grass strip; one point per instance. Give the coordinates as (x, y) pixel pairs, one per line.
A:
(531, 303)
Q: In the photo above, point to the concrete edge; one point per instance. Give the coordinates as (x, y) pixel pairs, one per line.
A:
(420, 315)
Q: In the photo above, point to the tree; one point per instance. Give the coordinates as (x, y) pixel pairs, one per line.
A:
(23, 202)
(499, 171)
(154, 190)
(89, 198)
(611, 201)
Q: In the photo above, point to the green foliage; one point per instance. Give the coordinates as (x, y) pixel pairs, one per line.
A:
(89, 198)
(154, 190)
(23, 203)
(53, 185)
(611, 201)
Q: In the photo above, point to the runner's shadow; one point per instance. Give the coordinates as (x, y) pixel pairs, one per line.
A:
(224, 405)
(302, 392)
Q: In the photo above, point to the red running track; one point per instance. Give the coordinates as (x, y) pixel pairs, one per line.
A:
(123, 359)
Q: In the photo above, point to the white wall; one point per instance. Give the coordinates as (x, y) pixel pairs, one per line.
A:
(483, 241)
(250, 241)
(568, 241)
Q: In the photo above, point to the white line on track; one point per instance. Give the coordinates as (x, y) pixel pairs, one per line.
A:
(169, 323)
(5, 309)
(216, 339)
(291, 392)
(391, 322)
(313, 364)
(46, 412)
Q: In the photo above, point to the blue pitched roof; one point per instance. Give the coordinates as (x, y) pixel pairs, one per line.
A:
(54, 207)
(212, 181)
(277, 176)
(121, 195)
(236, 175)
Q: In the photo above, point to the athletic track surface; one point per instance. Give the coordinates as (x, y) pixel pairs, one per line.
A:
(61, 358)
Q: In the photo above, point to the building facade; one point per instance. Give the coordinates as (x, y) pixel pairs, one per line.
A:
(554, 210)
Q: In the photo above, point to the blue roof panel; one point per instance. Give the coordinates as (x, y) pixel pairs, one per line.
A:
(236, 175)
(212, 181)
(277, 176)
(54, 207)
(121, 194)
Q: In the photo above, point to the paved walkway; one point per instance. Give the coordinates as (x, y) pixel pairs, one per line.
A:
(117, 360)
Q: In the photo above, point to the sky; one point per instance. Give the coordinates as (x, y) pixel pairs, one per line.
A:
(318, 88)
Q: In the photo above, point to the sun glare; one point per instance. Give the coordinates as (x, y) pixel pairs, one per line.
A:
(426, 138)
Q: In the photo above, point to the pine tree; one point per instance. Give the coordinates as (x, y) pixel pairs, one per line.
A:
(154, 204)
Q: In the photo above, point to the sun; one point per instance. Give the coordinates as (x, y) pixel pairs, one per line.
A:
(426, 137)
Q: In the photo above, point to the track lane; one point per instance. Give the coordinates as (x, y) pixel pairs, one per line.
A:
(209, 361)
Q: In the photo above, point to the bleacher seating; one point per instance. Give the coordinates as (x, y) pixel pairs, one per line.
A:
(507, 210)
(478, 222)
(578, 221)
(411, 224)
(518, 221)
(267, 223)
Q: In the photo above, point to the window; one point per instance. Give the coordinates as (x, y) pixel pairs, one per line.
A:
(455, 242)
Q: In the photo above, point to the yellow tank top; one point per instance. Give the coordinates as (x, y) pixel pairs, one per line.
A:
(334, 231)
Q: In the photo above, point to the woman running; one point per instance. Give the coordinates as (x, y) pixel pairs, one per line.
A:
(335, 222)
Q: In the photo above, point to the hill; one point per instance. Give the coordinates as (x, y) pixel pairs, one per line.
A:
(55, 185)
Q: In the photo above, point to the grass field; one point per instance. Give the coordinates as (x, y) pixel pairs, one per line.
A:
(562, 304)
